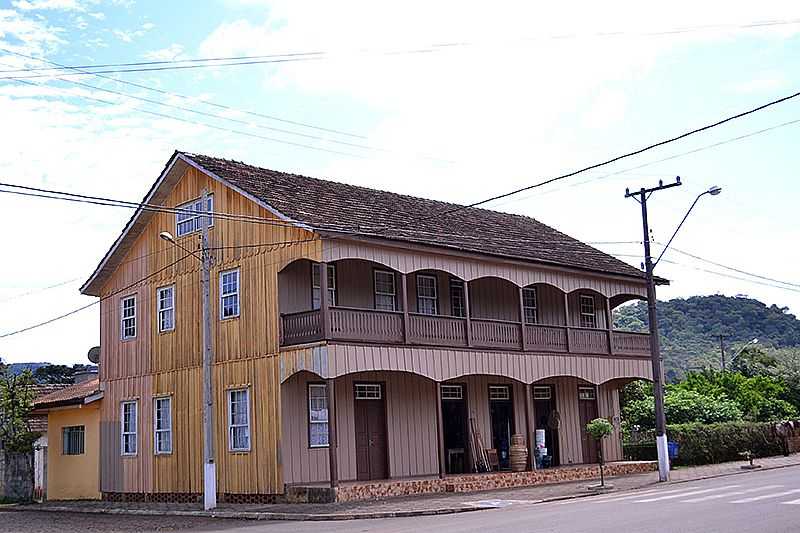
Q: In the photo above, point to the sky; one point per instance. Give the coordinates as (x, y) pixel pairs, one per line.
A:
(456, 101)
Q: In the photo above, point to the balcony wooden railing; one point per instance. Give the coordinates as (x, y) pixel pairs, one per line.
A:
(391, 327)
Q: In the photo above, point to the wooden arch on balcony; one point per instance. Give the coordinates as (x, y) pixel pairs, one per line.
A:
(471, 266)
(335, 360)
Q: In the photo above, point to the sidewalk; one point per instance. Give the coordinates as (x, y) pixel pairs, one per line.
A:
(411, 506)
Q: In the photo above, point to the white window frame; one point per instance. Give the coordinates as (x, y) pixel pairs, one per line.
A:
(223, 295)
(322, 423)
(368, 391)
(122, 428)
(587, 393)
(542, 392)
(530, 295)
(316, 301)
(77, 437)
(499, 392)
(458, 285)
(452, 392)
(192, 220)
(233, 427)
(123, 317)
(425, 298)
(165, 311)
(157, 450)
(588, 319)
(392, 294)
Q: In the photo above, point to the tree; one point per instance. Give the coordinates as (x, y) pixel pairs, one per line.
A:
(56, 373)
(600, 428)
(16, 401)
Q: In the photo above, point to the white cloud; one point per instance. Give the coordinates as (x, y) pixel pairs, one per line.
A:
(38, 5)
(97, 15)
(170, 53)
(32, 36)
(128, 36)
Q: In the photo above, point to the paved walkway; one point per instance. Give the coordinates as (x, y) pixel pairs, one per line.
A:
(417, 505)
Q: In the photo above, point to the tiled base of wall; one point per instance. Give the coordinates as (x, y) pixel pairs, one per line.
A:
(188, 497)
(348, 492)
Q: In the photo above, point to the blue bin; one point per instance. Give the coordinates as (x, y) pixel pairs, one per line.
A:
(672, 450)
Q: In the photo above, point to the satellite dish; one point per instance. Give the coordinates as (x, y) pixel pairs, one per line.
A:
(94, 354)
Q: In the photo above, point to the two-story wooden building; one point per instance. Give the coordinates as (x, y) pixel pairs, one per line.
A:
(375, 332)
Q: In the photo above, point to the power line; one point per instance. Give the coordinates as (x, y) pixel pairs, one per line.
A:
(182, 64)
(612, 160)
(38, 290)
(217, 116)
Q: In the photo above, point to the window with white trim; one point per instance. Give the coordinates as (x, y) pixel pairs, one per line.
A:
(165, 297)
(427, 295)
(529, 305)
(73, 440)
(128, 317)
(162, 425)
(229, 294)
(128, 427)
(588, 316)
(542, 392)
(457, 304)
(188, 218)
(368, 391)
(316, 286)
(452, 392)
(586, 393)
(317, 415)
(499, 392)
(385, 291)
(239, 420)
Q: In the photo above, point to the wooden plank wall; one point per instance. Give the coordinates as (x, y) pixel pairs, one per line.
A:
(411, 427)
(169, 363)
(608, 407)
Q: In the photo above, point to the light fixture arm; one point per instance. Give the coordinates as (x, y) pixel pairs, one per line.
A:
(712, 191)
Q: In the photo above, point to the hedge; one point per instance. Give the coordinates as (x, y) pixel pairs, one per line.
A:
(701, 444)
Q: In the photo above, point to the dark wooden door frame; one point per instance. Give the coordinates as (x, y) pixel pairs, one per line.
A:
(382, 385)
(513, 411)
(465, 399)
(587, 442)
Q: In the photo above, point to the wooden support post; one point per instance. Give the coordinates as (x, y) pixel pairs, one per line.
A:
(528, 425)
(324, 303)
(523, 343)
(440, 431)
(332, 443)
(566, 317)
(404, 301)
(609, 326)
(467, 313)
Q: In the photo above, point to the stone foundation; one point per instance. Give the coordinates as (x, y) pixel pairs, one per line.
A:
(190, 497)
(360, 491)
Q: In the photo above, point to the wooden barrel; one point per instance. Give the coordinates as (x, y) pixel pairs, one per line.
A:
(518, 455)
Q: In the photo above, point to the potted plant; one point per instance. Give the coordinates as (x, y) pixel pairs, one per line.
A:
(600, 428)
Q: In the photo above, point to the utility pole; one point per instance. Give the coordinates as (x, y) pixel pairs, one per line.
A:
(209, 467)
(722, 351)
(655, 350)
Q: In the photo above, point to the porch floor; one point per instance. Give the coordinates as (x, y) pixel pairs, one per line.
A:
(349, 491)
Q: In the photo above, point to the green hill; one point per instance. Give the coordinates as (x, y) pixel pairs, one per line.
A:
(690, 328)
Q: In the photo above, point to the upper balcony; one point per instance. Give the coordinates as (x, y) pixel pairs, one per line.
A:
(361, 301)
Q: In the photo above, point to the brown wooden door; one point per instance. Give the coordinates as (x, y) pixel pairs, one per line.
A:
(587, 409)
(371, 442)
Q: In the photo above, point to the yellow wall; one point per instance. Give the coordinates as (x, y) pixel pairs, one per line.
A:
(74, 477)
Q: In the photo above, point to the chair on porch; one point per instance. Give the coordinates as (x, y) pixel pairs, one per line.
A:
(494, 461)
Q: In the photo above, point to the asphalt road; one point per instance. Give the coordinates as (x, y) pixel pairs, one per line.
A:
(762, 502)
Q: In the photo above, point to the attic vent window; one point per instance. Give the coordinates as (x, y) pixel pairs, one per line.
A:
(188, 219)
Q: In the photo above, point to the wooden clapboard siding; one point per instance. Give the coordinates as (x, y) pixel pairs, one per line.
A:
(575, 308)
(441, 364)
(411, 427)
(608, 407)
(494, 298)
(152, 351)
(569, 434)
(410, 258)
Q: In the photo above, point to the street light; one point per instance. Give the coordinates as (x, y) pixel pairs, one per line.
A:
(752, 342)
(209, 468)
(641, 196)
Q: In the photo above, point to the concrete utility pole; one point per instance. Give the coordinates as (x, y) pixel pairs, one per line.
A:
(641, 196)
(210, 467)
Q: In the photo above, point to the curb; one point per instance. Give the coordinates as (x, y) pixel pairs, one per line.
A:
(253, 515)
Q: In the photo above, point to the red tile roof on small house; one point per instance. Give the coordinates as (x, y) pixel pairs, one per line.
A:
(75, 394)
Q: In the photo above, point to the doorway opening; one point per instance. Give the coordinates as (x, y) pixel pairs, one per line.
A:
(454, 426)
(370, 427)
(501, 412)
(587, 408)
(546, 426)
